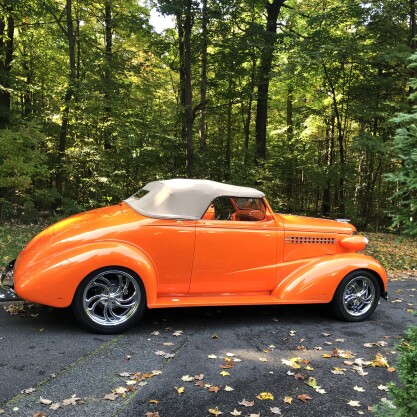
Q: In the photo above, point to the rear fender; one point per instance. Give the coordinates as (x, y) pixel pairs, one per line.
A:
(317, 280)
(54, 281)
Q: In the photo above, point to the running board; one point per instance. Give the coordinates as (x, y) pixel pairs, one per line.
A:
(214, 300)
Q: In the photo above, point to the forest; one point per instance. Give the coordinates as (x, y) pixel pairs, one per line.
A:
(310, 101)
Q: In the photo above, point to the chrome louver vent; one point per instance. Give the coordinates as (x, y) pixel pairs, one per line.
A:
(311, 240)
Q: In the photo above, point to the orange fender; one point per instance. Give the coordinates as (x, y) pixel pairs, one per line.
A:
(54, 281)
(317, 280)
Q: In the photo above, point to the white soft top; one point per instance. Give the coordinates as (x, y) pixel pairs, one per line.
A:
(184, 198)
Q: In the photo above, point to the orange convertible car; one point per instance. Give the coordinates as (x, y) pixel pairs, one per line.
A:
(180, 243)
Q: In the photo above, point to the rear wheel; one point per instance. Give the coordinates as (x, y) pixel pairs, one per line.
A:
(356, 296)
(109, 300)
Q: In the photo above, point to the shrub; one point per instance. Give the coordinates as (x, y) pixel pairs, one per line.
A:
(403, 397)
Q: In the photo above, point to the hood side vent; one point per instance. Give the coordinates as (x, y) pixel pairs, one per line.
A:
(310, 240)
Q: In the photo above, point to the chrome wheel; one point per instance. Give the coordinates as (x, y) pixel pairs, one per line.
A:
(359, 296)
(356, 296)
(111, 297)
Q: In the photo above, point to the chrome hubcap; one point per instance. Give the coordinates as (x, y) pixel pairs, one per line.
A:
(111, 298)
(359, 296)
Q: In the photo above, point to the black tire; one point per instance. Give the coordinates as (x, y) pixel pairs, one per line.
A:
(109, 300)
(356, 296)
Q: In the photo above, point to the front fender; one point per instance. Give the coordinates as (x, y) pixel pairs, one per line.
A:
(53, 282)
(317, 280)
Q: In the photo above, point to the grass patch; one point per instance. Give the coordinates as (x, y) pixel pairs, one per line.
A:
(397, 254)
(14, 237)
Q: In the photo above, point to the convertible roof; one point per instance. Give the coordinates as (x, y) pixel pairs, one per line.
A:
(184, 198)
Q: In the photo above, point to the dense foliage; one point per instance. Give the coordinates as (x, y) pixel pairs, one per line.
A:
(294, 97)
(403, 396)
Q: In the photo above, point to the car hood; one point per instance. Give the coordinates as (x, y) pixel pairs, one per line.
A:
(311, 224)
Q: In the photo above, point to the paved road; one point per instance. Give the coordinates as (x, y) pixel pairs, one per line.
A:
(44, 350)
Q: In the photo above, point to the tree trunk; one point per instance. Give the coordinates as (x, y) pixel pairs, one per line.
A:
(108, 40)
(340, 126)
(291, 167)
(185, 25)
(63, 132)
(265, 66)
(326, 204)
(203, 84)
(228, 157)
(412, 41)
(6, 48)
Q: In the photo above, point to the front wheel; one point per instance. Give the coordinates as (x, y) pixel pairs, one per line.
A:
(356, 296)
(109, 300)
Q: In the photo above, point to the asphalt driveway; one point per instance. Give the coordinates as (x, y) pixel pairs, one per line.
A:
(256, 361)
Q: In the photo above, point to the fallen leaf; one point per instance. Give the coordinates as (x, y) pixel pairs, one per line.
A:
(28, 391)
(326, 334)
(110, 397)
(263, 359)
(152, 414)
(131, 382)
(383, 388)
(265, 396)
(224, 373)
(275, 410)
(338, 371)
(187, 378)
(299, 376)
(45, 401)
(380, 361)
(387, 402)
(169, 344)
(304, 397)
(235, 412)
(55, 406)
(178, 333)
(292, 333)
(215, 411)
(354, 403)
(214, 389)
(227, 388)
(39, 414)
(212, 356)
(293, 362)
(359, 389)
(153, 402)
(155, 333)
(255, 415)
(288, 400)
(73, 400)
(230, 355)
(247, 403)
(180, 390)
(124, 374)
(120, 390)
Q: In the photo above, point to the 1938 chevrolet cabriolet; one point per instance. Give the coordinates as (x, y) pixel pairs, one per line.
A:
(180, 243)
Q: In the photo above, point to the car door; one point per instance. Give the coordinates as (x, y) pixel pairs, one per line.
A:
(234, 253)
